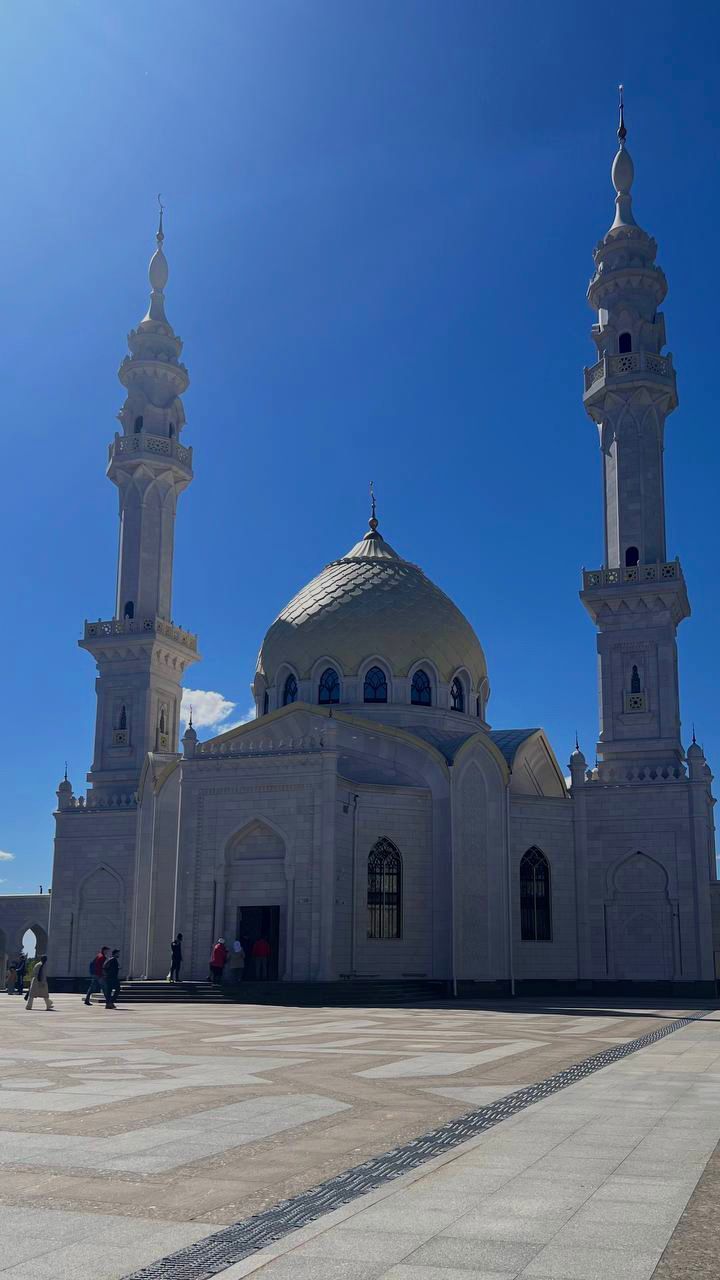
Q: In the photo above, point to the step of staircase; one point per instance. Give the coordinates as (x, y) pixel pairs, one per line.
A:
(352, 992)
(159, 991)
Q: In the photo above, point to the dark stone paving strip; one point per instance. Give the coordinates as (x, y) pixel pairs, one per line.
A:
(232, 1244)
(693, 1250)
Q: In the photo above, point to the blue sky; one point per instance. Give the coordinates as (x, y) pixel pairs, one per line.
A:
(380, 218)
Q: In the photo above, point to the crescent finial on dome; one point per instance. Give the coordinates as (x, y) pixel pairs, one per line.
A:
(373, 522)
(622, 131)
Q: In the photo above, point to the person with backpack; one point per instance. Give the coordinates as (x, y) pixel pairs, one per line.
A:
(96, 973)
(111, 979)
(39, 985)
(175, 958)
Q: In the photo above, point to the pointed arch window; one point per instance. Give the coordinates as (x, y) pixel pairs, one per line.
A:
(535, 915)
(122, 722)
(635, 681)
(129, 610)
(384, 894)
(625, 343)
(375, 686)
(457, 695)
(290, 691)
(421, 689)
(329, 687)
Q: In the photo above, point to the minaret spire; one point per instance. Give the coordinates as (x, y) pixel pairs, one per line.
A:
(622, 131)
(140, 654)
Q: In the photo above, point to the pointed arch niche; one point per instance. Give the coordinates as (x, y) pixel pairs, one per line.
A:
(252, 901)
(100, 916)
(641, 946)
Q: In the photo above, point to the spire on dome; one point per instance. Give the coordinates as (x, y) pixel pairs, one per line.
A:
(373, 523)
(622, 174)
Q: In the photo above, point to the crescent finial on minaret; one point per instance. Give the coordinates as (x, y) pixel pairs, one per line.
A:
(373, 518)
(160, 234)
(622, 131)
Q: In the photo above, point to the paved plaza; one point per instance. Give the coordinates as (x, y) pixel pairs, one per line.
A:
(128, 1136)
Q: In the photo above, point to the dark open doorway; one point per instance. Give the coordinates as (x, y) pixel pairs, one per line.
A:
(259, 922)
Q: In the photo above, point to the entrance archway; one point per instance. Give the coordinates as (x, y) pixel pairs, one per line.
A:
(640, 939)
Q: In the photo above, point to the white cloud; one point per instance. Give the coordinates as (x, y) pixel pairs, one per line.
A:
(211, 711)
(6, 857)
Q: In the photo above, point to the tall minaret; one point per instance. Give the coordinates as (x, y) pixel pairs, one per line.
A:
(141, 656)
(638, 598)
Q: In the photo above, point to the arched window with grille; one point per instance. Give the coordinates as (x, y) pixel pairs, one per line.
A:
(421, 689)
(375, 686)
(384, 896)
(329, 687)
(290, 691)
(535, 914)
(457, 695)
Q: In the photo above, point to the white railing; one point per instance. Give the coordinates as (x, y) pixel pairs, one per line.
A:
(660, 572)
(139, 626)
(159, 446)
(632, 362)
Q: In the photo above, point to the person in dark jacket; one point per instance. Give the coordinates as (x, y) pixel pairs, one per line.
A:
(175, 958)
(20, 968)
(111, 979)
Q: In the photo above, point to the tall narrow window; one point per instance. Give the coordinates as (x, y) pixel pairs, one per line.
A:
(163, 721)
(329, 687)
(266, 702)
(138, 425)
(129, 610)
(632, 557)
(375, 686)
(421, 689)
(290, 691)
(457, 696)
(635, 681)
(171, 430)
(384, 896)
(535, 925)
(624, 343)
(122, 722)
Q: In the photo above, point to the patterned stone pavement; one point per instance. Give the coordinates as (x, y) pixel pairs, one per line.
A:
(124, 1137)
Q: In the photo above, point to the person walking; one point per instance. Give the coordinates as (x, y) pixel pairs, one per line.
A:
(236, 963)
(96, 973)
(261, 958)
(175, 958)
(111, 979)
(20, 968)
(10, 979)
(39, 985)
(218, 960)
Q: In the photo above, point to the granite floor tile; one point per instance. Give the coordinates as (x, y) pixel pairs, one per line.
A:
(555, 1262)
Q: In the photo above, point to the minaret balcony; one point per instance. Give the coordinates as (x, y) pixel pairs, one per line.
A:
(117, 628)
(660, 572)
(144, 446)
(613, 372)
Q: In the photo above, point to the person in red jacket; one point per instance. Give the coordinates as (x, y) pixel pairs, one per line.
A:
(218, 958)
(261, 957)
(96, 973)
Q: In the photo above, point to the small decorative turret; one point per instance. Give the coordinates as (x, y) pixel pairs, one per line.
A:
(65, 792)
(189, 739)
(578, 765)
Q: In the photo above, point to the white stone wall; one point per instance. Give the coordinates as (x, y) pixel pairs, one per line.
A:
(92, 850)
(546, 823)
(404, 816)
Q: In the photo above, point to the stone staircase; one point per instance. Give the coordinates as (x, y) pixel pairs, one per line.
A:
(159, 991)
(356, 992)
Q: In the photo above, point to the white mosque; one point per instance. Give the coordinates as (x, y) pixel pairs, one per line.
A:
(369, 822)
